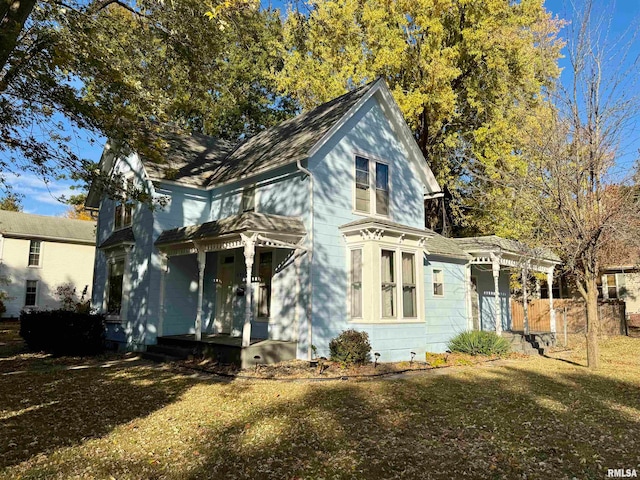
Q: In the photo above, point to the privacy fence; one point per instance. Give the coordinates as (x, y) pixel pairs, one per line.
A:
(573, 312)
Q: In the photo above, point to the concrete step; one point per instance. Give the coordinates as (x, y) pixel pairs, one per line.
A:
(174, 351)
(159, 357)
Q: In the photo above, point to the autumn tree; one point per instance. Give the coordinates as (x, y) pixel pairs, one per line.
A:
(583, 206)
(125, 69)
(11, 202)
(468, 75)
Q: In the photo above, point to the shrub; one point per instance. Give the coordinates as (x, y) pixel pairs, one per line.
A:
(350, 347)
(478, 342)
(62, 332)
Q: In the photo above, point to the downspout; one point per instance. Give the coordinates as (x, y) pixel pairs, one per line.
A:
(310, 283)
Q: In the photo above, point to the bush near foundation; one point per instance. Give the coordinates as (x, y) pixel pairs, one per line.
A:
(478, 342)
(351, 347)
(62, 332)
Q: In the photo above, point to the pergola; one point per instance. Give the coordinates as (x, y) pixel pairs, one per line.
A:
(247, 231)
(500, 252)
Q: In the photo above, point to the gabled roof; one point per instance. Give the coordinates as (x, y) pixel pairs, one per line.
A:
(493, 243)
(245, 222)
(205, 162)
(25, 225)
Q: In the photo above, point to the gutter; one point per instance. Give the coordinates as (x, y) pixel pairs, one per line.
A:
(310, 284)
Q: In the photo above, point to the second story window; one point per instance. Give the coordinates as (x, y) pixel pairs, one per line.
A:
(371, 186)
(34, 253)
(124, 207)
(248, 199)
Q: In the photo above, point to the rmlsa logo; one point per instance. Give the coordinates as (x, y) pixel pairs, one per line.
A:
(622, 473)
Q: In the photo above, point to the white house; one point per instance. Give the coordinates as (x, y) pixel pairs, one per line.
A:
(40, 253)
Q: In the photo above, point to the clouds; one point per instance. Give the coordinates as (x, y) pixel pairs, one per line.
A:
(40, 197)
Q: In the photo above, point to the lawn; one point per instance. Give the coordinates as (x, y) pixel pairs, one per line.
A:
(539, 418)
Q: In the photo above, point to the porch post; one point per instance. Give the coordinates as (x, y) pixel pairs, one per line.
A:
(495, 267)
(552, 312)
(249, 254)
(525, 300)
(202, 259)
(164, 268)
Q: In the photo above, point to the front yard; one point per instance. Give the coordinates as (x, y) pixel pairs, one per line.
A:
(530, 418)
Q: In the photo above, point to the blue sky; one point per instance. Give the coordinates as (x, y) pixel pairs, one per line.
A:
(41, 198)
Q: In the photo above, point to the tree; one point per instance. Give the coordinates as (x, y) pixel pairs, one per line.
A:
(468, 75)
(11, 202)
(124, 70)
(582, 206)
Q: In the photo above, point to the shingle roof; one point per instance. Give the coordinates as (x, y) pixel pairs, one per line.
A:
(493, 242)
(25, 225)
(119, 237)
(204, 161)
(248, 221)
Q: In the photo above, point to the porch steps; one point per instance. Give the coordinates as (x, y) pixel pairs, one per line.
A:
(167, 353)
(531, 344)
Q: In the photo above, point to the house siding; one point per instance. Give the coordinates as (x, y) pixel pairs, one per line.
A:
(367, 133)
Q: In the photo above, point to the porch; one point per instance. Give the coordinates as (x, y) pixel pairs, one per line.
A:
(223, 349)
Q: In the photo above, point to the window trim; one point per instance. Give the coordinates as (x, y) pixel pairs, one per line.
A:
(123, 254)
(433, 282)
(396, 314)
(125, 203)
(373, 160)
(415, 284)
(26, 288)
(39, 264)
(257, 316)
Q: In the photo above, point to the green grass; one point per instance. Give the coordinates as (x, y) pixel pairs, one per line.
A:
(539, 418)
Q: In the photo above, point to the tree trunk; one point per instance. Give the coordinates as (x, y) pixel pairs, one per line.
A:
(593, 323)
(11, 24)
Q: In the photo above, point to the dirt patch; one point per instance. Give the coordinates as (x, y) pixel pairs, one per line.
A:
(325, 369)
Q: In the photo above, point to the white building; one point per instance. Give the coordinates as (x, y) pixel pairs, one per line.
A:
(38, 254)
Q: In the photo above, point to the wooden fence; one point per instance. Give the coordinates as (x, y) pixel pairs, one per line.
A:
(612, 316)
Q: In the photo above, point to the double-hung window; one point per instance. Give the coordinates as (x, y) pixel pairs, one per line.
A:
(124, 207)
(34, 253)
(114, 295)
(438, 283)
(249, 199)
(265, 272)
(409, 308)
(388, 284)
(31, 294)
(371, 186)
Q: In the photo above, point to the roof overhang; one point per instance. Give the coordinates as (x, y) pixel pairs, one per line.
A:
(379, 229)
(512, 259)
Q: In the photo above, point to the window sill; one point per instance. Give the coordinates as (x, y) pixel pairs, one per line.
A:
(372, 215)
(263, 319)
(388, 321)
(34, 266)
(113, 319)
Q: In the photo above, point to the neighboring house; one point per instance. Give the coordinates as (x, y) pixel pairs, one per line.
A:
(38, 254)
(309, 228)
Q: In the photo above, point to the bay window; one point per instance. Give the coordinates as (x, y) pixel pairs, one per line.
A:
(409, 309)
(356, 283)
(388, 283)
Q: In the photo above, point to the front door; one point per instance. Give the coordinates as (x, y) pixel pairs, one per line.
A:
(225, 294)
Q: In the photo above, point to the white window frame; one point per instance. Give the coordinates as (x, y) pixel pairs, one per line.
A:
(124, 202)
(399, 315)
(26, 286)
(395, 277)
(256, 276)
(39, 264)
(113, 257)
(373, 160)
(433, 282)
(357, 246)
(415, 284)
(245, 190)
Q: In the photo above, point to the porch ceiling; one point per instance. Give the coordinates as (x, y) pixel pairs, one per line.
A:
(271, 230)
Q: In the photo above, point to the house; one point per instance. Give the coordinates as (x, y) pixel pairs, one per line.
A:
(285, 240)
(40, 253)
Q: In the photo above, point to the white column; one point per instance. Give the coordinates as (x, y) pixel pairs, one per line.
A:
(249, 254)
(552, 312)
(495, 267)
(467, 279)
(525, 300)
(202, 259)
(164, 268)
